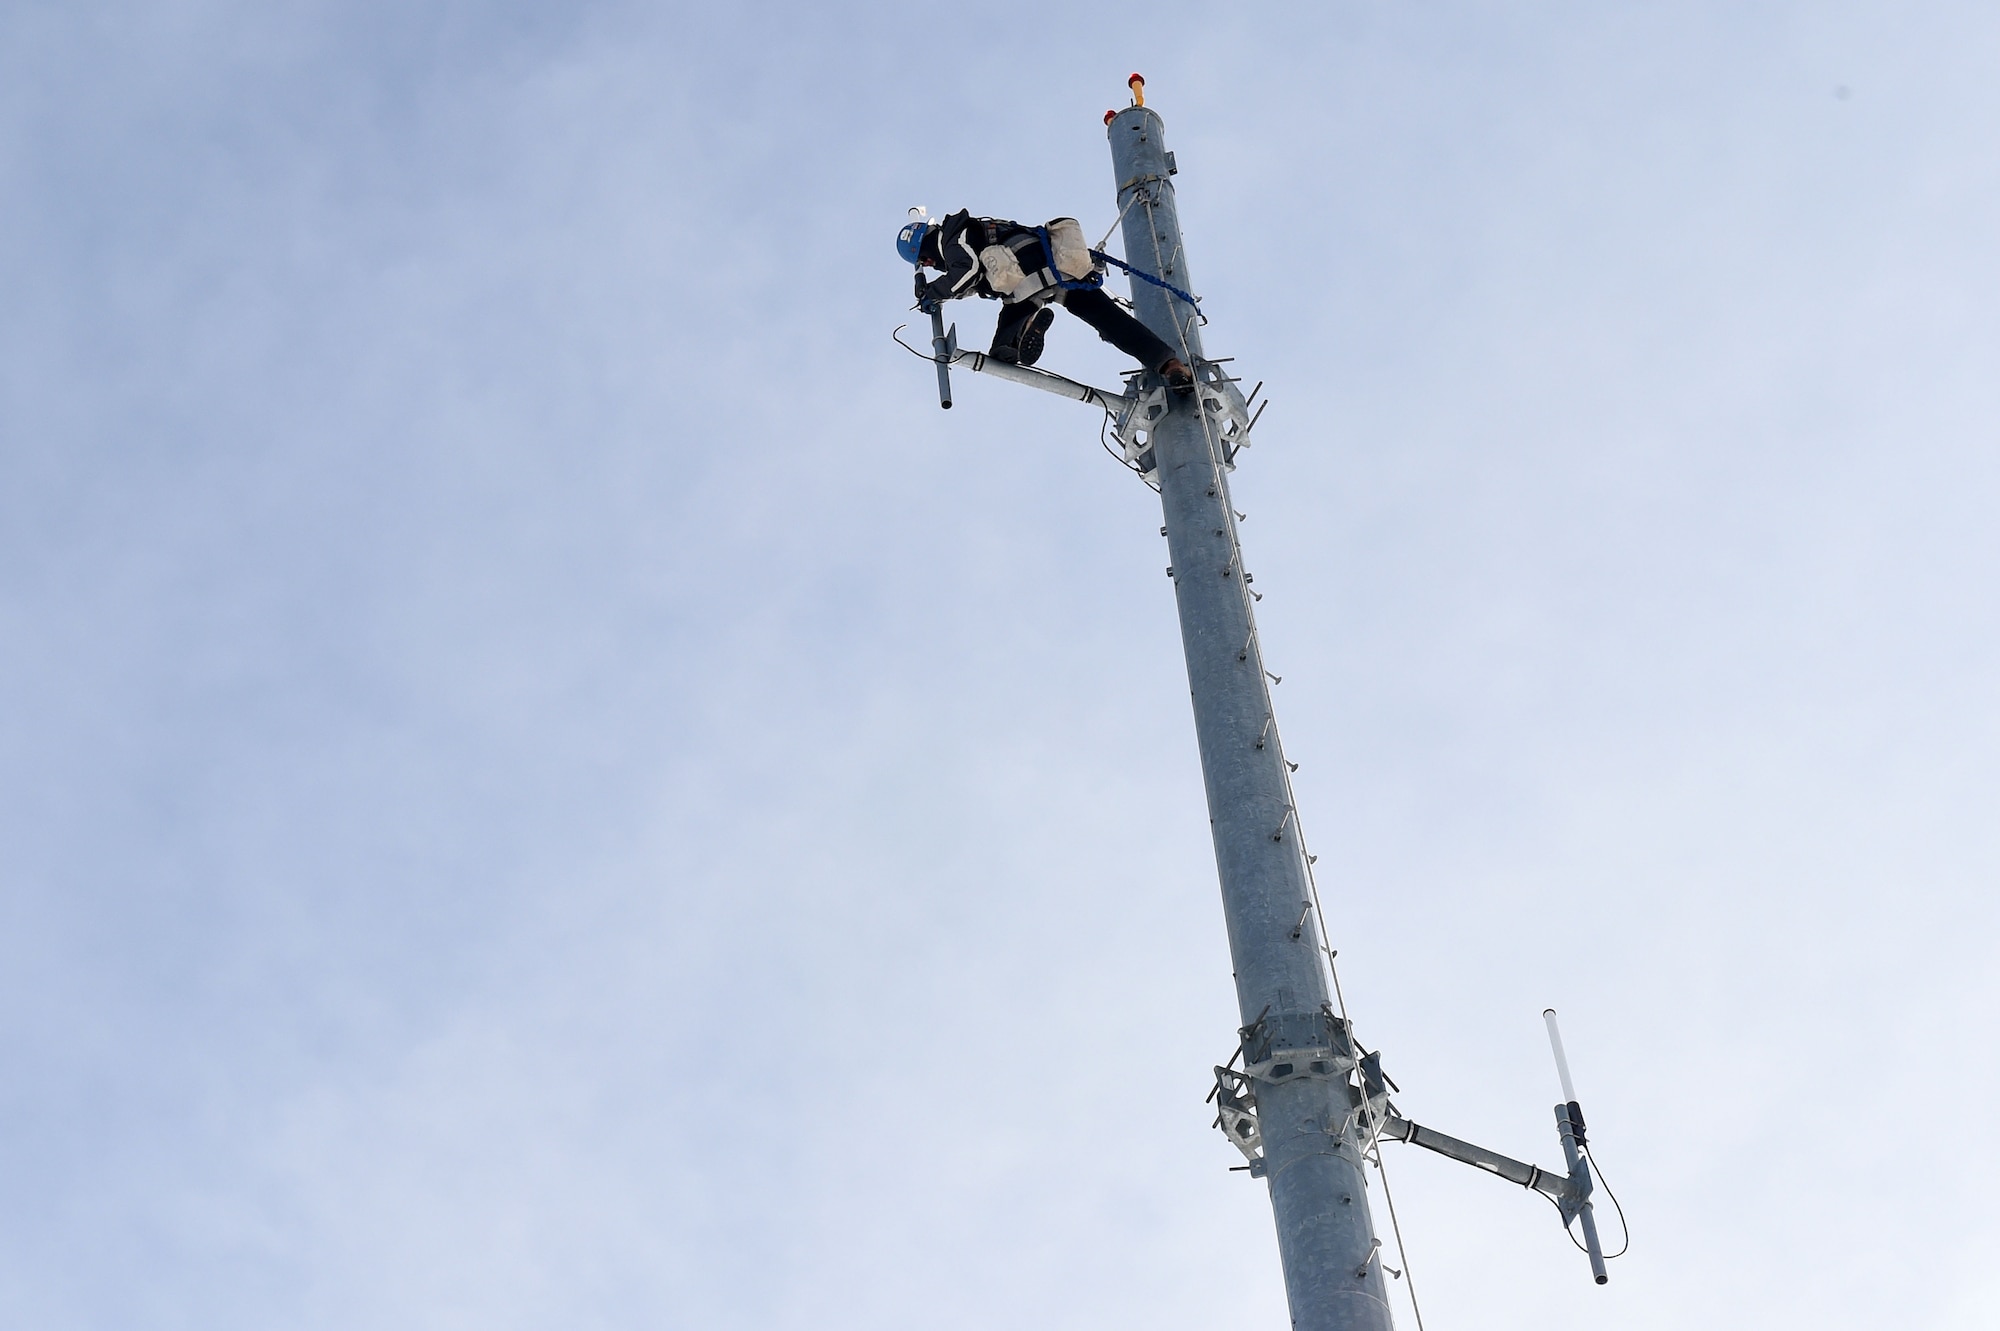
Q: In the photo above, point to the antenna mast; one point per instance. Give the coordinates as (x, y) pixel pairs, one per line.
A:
(1296, 1049)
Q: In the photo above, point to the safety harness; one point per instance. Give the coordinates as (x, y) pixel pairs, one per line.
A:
(1048, 277)
(1003, 260)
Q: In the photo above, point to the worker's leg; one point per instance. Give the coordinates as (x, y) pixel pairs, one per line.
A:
(1017, 335)
(1117, 327)
(1007, 331)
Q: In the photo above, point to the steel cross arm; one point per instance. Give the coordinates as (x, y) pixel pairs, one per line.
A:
(1555, 1187)
(982, 363)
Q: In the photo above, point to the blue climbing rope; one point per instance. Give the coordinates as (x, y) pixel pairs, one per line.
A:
(1144, 276)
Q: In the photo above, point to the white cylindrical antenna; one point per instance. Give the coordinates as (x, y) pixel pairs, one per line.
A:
(1556, 1043)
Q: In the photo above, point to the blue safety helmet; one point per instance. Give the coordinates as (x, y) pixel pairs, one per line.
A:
(910, 241)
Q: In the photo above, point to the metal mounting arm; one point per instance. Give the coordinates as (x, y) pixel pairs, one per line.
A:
(1571, 1194)
(945, 353)
(1134, 412)
(1049, 383)
(1556, 1187)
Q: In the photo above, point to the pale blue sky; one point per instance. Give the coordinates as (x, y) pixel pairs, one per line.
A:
(545, 785)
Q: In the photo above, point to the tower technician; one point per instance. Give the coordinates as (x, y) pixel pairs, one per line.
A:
(1030, 268)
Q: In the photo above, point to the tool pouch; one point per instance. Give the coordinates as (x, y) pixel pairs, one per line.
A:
(1003, 269)
(1071, 255)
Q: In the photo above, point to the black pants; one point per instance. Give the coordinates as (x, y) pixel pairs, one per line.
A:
(1106, 315)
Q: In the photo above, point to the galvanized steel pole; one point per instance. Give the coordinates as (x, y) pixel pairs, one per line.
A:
(1312, 1145)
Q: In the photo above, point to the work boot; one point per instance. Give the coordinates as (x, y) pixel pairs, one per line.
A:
(1032, 335)
(1178, 376)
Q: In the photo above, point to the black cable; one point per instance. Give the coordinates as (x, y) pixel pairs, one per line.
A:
(1119, 458)
(1622, 1226)
(932, 358)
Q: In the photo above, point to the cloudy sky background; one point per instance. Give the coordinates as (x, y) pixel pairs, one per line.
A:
(545, 785)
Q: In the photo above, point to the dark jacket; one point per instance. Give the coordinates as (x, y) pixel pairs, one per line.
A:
(959, 239)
